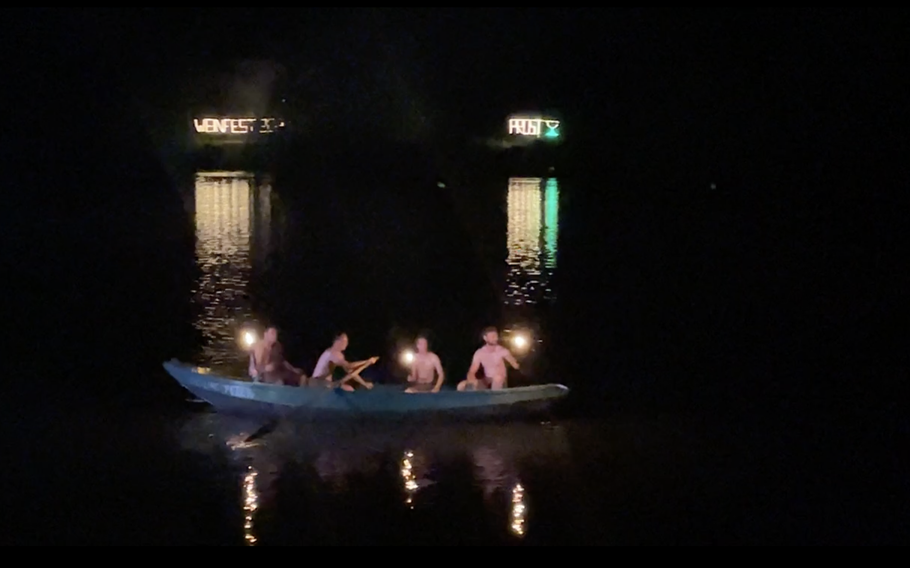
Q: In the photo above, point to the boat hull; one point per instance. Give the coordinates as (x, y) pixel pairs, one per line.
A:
(239, 397)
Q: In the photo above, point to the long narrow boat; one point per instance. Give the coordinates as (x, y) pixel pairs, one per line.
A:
(242, 396)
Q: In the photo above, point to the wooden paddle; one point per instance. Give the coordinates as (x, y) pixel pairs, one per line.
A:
(354, 375)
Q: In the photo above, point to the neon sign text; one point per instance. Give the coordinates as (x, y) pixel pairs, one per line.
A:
(237, 125)
(534, 127)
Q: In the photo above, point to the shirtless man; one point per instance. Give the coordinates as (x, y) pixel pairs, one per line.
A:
(426, 364)
(333, 358)
(268, 365)
(492, 357)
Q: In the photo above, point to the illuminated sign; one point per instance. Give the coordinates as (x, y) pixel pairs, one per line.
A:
(233, 126)
(534, 127)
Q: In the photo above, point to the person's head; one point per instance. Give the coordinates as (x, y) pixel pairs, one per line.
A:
(341, 341)
(271, 335)
(422, 345)
(491, 336)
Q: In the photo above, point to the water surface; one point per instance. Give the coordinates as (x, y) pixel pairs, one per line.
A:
(114, 452)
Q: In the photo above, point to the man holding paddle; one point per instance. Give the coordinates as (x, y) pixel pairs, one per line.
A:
(333, 358)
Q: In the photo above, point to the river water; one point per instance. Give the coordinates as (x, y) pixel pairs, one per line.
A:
(113, 452)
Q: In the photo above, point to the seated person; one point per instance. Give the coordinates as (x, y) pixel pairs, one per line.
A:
(426, 364)
(333, 358)
(492, 357)
(268, 365)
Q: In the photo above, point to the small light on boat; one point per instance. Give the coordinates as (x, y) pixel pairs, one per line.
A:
(249, 339)
(407, 358)
(520, 342)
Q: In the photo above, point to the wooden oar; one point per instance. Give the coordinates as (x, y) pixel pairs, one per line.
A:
(245, 442)
(355, 375)
(263, 431)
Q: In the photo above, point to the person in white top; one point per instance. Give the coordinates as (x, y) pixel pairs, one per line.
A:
(493, 358)
(425, 367)
(333, 358)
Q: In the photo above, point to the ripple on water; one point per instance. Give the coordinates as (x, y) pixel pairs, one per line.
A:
(225, 212)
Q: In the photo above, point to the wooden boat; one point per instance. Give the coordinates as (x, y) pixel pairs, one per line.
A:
(242, 396)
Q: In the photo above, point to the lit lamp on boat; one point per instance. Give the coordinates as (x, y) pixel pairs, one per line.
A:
(521, 342)
(407, 358)
(250, 506)
(248, 339)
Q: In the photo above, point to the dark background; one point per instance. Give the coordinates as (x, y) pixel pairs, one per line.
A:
(786, 271)
(793, 114)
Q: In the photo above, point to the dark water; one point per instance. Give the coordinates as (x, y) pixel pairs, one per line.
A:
(675, 434)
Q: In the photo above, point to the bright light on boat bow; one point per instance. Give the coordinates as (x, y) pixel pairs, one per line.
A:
(407, 358)
(249, 339)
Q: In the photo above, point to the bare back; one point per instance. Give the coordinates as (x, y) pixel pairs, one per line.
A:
(329, 360)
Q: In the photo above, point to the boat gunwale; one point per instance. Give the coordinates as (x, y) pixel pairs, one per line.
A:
(212, 376)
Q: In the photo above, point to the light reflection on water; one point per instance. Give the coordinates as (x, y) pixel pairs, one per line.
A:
(498, 477)
(551, 228)
(532, 240)
(233, 224)
(335, 454)
(414, 469)
(407, 476)
(250, 506)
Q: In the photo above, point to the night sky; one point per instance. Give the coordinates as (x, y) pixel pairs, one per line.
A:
(661, 96)
(654, 69)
